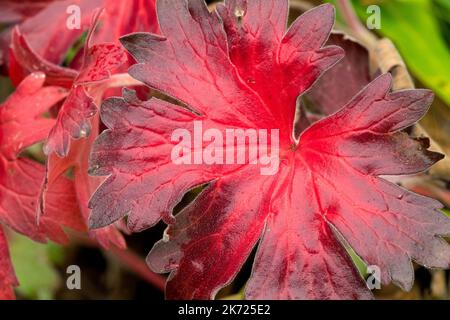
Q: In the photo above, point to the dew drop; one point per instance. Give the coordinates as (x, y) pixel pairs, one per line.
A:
(38, 75)
(239, 13)
(166, 236)
(83, 133)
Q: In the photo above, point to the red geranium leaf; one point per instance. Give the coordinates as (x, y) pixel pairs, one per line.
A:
(8, 278)
(241, 71)
(21, 125)
(353, 70)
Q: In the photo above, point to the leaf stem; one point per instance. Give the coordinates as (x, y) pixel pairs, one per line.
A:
(129, 259)
(136, 264)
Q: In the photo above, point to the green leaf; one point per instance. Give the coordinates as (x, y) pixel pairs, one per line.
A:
(359, 263)
(416, 28)
(6, 88)
(74, 50)
(33, 263)
(441, 9)
(446, 212)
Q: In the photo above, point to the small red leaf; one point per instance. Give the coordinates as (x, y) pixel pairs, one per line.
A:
(353, 70)
(72, 122)
(101, 60)
(21, 119)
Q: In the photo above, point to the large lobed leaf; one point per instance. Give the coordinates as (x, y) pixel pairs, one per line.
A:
(239, 68)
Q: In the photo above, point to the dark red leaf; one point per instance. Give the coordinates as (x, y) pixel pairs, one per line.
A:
(243, 71)
(353, 71)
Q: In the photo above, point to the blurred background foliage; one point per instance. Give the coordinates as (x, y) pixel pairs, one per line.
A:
(420, 29)
(35, 266)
